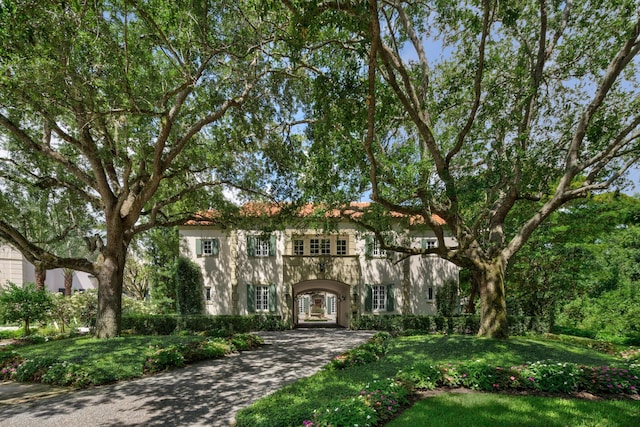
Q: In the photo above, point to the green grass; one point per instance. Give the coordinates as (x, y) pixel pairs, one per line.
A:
(296, 402)
(497, 410)
(106, 360)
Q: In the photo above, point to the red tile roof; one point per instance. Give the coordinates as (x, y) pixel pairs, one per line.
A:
(262, 209)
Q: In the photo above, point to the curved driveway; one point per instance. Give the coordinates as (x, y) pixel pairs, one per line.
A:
(204, 394)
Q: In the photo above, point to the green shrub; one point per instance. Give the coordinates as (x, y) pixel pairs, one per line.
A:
(368, 352)
(159, 324)
(422, 376)
(189, 287)
(553, 377)
(205, 350)
(158, 359)
(243, 342)
(9, 363)
(597, 345)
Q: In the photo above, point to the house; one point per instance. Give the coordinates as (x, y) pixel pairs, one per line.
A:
(308, 275)
(16, 269)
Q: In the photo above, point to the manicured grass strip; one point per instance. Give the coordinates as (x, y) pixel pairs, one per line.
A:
(497, 410)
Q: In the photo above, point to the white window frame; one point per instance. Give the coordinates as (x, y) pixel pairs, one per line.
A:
(379, 297)
(376, 250)
(298, 247)
(341, 246)
(207, 247)
(262, 298)
(261, 246)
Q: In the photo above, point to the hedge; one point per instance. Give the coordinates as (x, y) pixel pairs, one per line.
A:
(222, 326)
(464, 325)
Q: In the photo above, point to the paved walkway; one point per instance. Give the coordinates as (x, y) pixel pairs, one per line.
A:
(204, 394)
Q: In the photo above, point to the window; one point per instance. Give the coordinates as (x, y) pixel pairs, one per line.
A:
(61, 291)
(207, 247)
(379, 298)
(261, 246)
(314, 246)
(262, 298)
(430, 293)
(325, 247)
(298, 247)
(341, 247)
(207, 293)
(376, 250)
(429, 243)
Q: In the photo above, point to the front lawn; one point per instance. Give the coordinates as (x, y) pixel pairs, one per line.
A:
(100, 361)
(295, 403)
(499, 410)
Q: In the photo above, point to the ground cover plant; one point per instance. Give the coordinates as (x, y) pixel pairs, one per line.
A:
(84, 361)
(339, 391)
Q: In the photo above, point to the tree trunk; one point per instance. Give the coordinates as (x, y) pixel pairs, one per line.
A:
(41, 276)
(473, 293)
(110, 279)
(68, 282)
(493, 309)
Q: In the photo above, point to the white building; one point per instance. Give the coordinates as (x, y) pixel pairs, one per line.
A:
(307, 275)
(16, 269)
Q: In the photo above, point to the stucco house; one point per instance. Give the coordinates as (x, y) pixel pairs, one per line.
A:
(16, 269)
(308, 275)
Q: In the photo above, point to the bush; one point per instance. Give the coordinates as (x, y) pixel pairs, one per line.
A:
(24, 304)
(422, 376)
(32, 370)
(158, 359)
(215, 326)
(243, 342)
(66, 374)
(189, 287)
(597, 345)
(368, 352)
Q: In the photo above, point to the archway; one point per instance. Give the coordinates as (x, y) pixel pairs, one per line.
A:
(321, 303)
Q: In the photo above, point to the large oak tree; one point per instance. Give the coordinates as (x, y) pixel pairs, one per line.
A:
(472, 111)
(133, 114)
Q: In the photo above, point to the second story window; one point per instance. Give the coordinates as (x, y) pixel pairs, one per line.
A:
(298, 247)
(341, 247)
(261, 245)
(207, 247)
(325, 247)
(376, 249)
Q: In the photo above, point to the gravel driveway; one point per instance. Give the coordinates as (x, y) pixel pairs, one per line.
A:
(204, 394)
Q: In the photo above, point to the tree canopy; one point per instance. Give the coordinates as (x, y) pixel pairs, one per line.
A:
(135, 115)
(490, 115)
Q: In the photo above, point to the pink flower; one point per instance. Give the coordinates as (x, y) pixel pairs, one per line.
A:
(512, 378)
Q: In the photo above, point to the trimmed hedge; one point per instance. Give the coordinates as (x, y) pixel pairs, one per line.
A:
(463, 325)
(222, 326)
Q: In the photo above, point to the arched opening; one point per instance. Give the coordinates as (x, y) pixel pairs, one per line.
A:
(321, 303)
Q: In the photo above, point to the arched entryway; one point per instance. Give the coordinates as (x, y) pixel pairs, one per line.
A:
(321, 303)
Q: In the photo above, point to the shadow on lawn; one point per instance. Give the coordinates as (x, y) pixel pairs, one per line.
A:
(207, 393)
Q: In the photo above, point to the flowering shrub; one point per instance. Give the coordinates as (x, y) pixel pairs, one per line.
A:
(33, 369)
(351, 412)
(385, 396)
(542, 376)
(66, 374)
(607, 379)
(9, 362)
(159, 359)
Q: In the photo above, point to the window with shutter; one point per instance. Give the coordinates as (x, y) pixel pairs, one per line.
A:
(368, 298)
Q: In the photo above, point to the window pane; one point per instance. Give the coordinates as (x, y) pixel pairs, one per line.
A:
(314, 246)
(341, 247)
(298, 247)
(325, 246)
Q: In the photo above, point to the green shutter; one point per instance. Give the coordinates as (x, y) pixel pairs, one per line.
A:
(251, 246)
(215, 247)
(368, 298)
(272, 245)
(424, 243)
(390, 299)
(198, 247)
(368, 248)
(251, 298)
(306, 304)
(272, 298)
